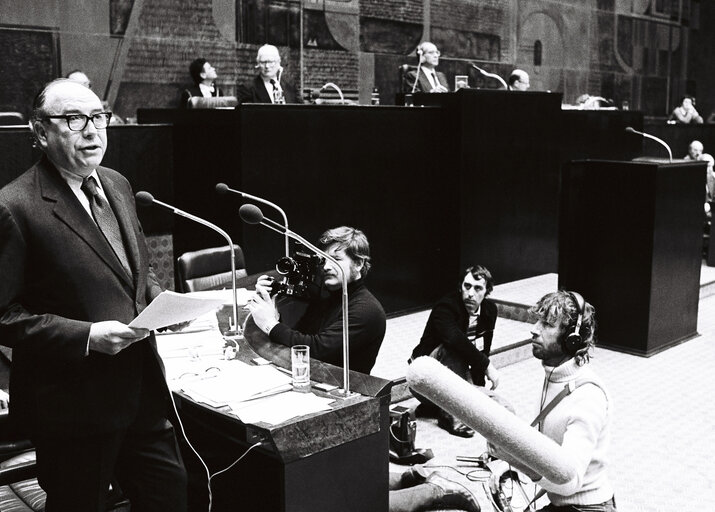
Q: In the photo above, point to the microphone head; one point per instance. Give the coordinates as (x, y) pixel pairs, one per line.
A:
(144, 198)
(250, 214)
(630, 130)
(221, 188)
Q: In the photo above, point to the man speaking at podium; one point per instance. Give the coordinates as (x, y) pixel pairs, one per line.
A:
(88, 389)
(321, 328)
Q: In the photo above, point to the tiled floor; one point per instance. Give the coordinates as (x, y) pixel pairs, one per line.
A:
(663, 448)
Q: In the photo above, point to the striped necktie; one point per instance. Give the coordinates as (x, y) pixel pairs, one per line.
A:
(106, 221)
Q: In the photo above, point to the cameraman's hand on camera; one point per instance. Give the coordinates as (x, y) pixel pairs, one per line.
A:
(263, 284)
(262, 307)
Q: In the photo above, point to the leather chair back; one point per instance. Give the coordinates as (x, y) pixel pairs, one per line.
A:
(208, 269)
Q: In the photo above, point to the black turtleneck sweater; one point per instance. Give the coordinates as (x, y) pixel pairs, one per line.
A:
(321, 328)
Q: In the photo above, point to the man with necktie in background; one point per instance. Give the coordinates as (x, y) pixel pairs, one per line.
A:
(88, 389)
(429, 79)
(269, 86)
(204, 76)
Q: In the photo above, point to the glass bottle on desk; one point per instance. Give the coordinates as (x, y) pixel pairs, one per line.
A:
(375, 97)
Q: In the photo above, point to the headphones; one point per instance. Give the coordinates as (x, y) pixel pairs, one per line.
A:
(420, 53)
(573, 342)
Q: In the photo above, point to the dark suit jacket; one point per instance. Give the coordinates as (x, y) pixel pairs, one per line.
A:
(255, 92)
(448, 323)
(423, 84)
(59, 275)
(194, 90)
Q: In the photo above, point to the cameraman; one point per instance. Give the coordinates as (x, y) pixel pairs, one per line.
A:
(321, 327)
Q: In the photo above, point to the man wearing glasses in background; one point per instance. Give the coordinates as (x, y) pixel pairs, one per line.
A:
(269, 86)
(88, 389)
(429, 79)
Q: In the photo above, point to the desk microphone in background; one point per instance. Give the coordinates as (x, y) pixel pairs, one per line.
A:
(670, 153)
(491, 75)
(146, 199)
(419, 66)
(224, 189)
(252, 214)
(315, 94)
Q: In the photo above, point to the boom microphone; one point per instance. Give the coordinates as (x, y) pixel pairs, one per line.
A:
(526, 445)
(146, 199)
(223, 189)
(662, 142)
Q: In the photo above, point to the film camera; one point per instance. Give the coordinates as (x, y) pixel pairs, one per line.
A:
(300, 273)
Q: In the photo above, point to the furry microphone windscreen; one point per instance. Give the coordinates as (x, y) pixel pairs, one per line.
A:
(531, 448)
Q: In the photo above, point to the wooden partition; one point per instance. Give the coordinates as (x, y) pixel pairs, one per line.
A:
(630, 242)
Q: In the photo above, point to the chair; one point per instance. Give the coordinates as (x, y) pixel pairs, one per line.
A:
(209, 269)
(12, 119)
(19, 489)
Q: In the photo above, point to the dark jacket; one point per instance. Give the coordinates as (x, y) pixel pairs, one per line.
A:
(194, 90)
(321, 328)
(255, 92)
(59, 275)
(448, 323)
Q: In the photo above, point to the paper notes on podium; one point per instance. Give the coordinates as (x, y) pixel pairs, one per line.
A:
(171, 308)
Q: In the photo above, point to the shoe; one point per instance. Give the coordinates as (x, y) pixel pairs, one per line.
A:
(455, 495)
(453, 425)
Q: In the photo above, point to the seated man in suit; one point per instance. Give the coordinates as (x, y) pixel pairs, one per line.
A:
(269, 86)
(429, 79)
(321, 327)
(459, 334)
(204, 75)
(88, 389)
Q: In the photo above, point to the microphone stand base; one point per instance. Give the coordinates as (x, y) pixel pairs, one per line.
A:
(233, 334)
(341, 393)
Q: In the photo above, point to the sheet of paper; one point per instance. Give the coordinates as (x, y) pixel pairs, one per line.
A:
(171, 308)
(242, 295)
(279, 408)
(236, 382)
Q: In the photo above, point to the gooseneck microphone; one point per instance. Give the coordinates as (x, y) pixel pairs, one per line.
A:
(252, 214)
(223, 189)
(146, 199)
(670, 153)
(490, 75)
(340, 93)
(419, 67)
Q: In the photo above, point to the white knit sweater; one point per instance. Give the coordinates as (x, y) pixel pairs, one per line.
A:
(581, 424)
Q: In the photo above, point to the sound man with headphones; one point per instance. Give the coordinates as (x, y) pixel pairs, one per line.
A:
(576, 410)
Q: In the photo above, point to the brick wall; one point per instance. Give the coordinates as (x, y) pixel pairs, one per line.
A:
(410, 11)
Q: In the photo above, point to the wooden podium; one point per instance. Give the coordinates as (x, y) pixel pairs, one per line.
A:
(630, 241)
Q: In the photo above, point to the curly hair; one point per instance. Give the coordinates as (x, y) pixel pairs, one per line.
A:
(352, 240)
(560, 308)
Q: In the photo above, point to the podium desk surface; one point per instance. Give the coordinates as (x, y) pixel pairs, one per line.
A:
(350, 418)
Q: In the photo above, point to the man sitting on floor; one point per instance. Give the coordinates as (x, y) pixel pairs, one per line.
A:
(459, 335)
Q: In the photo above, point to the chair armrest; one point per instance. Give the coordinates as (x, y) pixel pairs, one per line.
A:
(18, 472)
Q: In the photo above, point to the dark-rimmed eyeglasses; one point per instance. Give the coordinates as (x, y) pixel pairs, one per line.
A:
(78, 122)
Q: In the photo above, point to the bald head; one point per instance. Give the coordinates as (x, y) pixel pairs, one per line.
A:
(76, 151)
(695, 149)
(519, 80)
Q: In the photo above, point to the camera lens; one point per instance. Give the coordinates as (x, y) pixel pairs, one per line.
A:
(285, 265)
